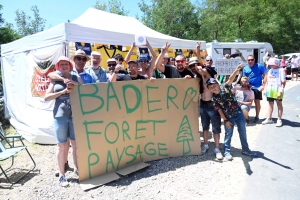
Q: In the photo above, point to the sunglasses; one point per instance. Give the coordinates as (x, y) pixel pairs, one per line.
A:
(111, 65)
(143, 61)
(179, 61)
(81, 59)
(120, 60)
(250, 59)
(132, 66)
(209, 60)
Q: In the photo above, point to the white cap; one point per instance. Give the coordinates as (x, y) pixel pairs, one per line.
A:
(96, 53)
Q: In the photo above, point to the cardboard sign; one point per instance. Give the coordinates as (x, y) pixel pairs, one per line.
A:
(120, 125)
(226, 66)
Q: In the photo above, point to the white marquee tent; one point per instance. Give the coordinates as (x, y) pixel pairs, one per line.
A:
(32, 116)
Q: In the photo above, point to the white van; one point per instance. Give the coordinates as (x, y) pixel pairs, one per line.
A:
(289, 55)
(217, 49)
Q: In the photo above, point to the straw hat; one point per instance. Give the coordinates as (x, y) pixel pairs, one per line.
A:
(80, 53)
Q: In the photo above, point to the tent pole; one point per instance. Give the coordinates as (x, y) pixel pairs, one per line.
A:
(67, 49)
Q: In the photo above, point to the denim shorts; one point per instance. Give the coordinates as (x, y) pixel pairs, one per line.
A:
(245, 107)
(63, 128)
(209, 114)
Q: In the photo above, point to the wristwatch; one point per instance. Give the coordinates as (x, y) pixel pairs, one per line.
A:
(226, 120)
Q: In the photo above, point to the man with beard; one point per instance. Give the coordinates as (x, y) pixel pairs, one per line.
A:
(132, 72)
(179, 71)
(97, 72)
(244, 96)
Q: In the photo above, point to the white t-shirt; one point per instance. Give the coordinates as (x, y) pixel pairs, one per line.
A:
(243, 95)
(295, 62)
(274, 82)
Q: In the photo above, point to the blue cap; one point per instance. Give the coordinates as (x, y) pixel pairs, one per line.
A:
(143, 57)
(211, 81)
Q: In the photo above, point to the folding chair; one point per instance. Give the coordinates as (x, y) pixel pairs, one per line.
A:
(10, 152)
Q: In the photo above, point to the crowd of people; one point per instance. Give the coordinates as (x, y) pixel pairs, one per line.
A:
(218, 101)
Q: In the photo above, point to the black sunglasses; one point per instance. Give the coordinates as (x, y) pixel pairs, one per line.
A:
(111, 65)
(209, 60)
(143, 61)
(250, 59)
(81, 59)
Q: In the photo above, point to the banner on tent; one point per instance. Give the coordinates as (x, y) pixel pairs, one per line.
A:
(86, 47)
(120, 125)
(40, 80)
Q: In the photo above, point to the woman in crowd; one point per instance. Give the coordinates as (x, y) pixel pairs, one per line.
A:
(62, 113)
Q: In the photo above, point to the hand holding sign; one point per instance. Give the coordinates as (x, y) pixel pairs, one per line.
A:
(140, 40)
(239, 67)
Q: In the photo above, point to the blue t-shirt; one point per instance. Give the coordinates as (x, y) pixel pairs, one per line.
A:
(99, 74)
(254, 74)
(86, 78)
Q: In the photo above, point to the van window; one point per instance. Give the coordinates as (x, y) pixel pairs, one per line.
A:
(226, 51)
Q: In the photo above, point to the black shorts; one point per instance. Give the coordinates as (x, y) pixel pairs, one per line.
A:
(257, 94)
(273, 99)
(295, 69)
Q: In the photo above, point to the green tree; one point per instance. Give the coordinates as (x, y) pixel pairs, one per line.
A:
(112, 6)
(27, 25)
(178, 18)
(276, 22)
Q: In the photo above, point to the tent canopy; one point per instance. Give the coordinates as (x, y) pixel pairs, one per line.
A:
(96, 26)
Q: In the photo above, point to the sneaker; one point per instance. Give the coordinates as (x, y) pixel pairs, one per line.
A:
(279, 123)
(249, 153)
(267, 121)
(204, 148)
(218, 154)
(76, 172)
(63, 181)
(228, 156)
(256, 120)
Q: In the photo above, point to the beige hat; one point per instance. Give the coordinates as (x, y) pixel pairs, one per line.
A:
(80, 53)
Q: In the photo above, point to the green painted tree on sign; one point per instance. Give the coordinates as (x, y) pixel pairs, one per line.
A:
(185, 135)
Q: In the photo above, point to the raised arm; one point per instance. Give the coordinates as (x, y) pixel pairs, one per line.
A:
(154, 57)
(115, 73)
(234, 73)
(127, 58)
(55, 76)
(159, 61)
(198, 52)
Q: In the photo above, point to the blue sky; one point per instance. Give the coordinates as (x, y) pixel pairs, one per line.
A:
(58, 11)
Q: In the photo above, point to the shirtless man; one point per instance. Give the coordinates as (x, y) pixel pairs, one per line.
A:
(207, 112)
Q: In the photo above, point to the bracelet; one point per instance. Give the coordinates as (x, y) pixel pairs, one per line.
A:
(226, 120)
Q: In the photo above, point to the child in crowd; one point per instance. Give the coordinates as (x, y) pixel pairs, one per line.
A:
(274, 88)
